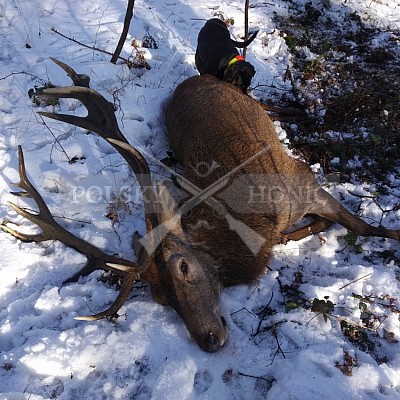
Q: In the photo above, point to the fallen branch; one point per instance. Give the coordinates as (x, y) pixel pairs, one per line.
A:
(363, 196)
(130, 63)
(84, 45)
(270, 380)
(262, 314)
(43, 82)
(350, 283)
(56, 141)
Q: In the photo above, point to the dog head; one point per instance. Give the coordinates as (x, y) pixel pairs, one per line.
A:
(240, 74)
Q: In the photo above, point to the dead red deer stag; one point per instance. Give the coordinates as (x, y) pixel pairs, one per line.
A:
(245, 192)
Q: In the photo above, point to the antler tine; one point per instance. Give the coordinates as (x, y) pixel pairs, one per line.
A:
(51, 230)
(100, 119)
(78, 79)
(29, 189)
(112, 311)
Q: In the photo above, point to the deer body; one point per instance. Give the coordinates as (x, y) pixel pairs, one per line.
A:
(212, 123)
(245, 192)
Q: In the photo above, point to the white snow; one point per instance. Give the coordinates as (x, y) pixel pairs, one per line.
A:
(147, 353)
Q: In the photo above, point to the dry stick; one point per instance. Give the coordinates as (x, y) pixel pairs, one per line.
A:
(365, 276)
(255, 377)
(246, 24)
(127, 21)
(56, 140)
(87, 46)
(262, 314)
(43, 82)
(279, 349)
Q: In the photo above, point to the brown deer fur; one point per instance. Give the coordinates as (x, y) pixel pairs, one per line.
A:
(210, 122)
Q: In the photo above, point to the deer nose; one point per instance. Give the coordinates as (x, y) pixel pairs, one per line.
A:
(213, 341)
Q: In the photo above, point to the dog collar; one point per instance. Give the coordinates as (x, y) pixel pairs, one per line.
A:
(235, 59)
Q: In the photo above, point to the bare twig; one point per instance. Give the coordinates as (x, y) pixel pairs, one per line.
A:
(290, 111)
(128, 62)
(256, 377)
(362, 196)
(82, 44)
(43, 82)
(262, 314)
(279, 349)
(350, 283)
(56, 139)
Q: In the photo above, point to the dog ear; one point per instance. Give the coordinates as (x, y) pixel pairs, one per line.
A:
(240, 74)
(229, 74)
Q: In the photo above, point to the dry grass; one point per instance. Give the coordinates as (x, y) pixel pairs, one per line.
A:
(351, 87)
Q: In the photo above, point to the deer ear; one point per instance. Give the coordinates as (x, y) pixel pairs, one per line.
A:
(151, 274)
(169, 214)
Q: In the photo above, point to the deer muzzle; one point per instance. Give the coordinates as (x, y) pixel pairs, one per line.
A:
(214, 338)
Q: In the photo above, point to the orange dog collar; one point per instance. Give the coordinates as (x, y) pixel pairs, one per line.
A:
(235, 59)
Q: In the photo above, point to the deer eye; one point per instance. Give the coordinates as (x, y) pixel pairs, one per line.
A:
(184, 267)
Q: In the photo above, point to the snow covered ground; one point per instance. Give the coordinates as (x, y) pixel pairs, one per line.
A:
(283, 344)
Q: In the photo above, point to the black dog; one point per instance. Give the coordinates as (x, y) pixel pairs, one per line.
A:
(216, 55)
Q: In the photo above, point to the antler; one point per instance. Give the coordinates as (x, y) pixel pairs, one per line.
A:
(78, 79)
(100, 119)
(51, 230)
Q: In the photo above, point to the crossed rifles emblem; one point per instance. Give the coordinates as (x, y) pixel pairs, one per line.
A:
(251, 238)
